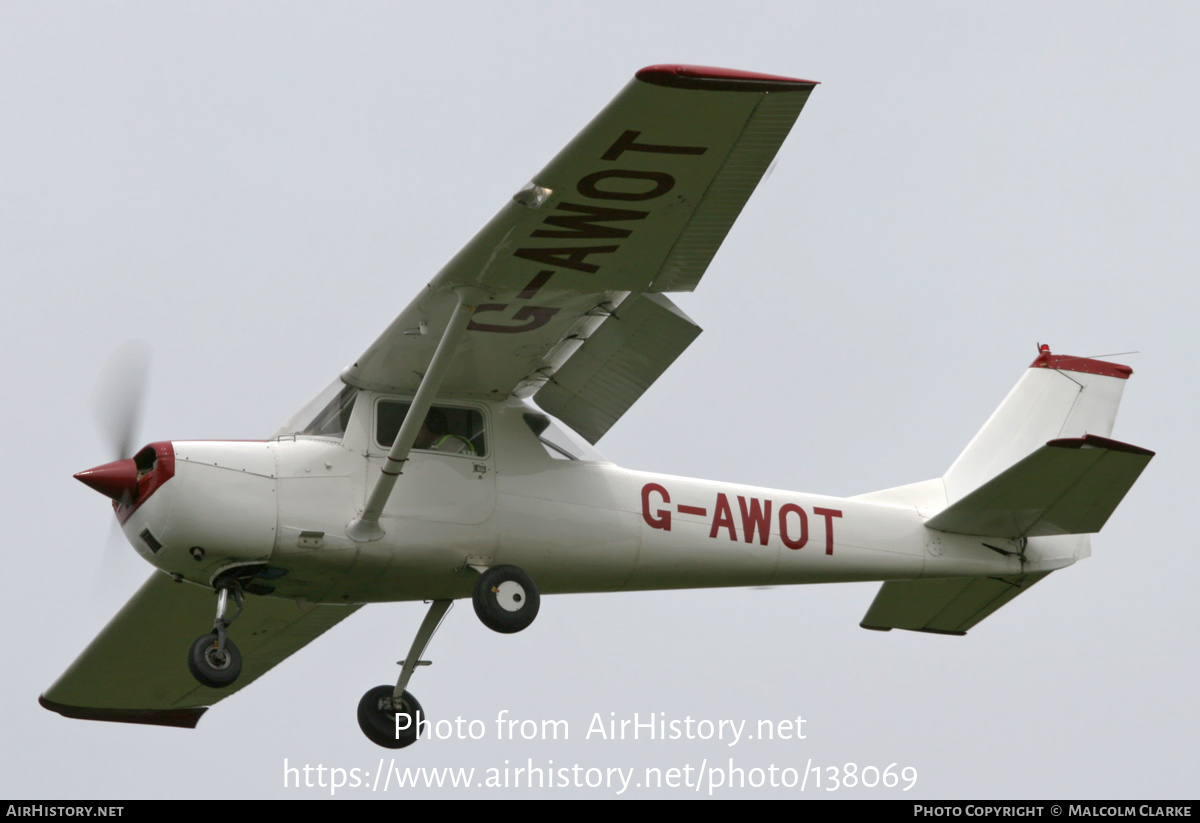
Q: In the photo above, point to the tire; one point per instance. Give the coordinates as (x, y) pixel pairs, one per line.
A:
(211, 669)
(506, 599)
(380, 724)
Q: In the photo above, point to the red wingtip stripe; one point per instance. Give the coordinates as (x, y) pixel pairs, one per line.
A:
(180, 718)
(1064, 362)
(714, 79)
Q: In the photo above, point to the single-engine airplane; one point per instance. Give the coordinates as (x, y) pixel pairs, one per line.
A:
(449, 460)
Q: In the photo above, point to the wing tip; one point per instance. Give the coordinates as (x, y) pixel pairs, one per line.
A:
(923, 629)
(180, 718)
(716, 79)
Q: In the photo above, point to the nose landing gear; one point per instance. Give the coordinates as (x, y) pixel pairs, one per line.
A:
(213, 659)
(214, 663)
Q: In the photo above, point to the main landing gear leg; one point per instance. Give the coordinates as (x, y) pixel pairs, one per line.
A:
(213, 659)
(390, 716)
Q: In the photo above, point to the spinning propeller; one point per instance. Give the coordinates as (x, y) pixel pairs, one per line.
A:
(117, 404)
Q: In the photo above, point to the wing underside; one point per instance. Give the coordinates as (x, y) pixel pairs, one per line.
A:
(135, 671)
(636, 205)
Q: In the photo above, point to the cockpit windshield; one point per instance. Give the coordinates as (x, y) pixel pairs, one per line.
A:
(326, 415)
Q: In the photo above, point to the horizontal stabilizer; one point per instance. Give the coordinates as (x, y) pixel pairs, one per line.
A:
(1068, 486)
(943, 606)
(136, 670)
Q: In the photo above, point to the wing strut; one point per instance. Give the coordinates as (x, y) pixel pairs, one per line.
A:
(366, 528)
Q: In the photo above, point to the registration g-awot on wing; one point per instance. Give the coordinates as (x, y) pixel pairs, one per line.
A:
(453, 458)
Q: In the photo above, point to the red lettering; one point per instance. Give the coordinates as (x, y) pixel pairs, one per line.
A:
(660, 519)
(723, 518)
(755, 517)
(828, 514)
(784, 511)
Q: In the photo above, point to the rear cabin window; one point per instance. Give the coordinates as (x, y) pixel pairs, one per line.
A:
(557, 442)
(447, 429)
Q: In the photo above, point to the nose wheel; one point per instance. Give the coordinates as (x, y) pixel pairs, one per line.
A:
(212, 664)
(213, 659)
(506, 599)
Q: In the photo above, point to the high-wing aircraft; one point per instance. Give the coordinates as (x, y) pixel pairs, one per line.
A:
(453, 458)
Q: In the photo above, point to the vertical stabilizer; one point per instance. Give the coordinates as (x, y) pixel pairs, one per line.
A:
(1058, 397)
(1041, 473)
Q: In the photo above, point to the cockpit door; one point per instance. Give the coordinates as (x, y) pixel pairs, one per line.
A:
(449, 476)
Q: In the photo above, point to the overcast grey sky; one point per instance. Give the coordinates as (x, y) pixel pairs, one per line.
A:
(258, 188)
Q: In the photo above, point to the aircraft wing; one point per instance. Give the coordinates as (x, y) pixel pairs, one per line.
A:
(135, 671)
(636, 205)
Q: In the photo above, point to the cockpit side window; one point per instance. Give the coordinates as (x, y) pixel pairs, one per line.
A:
(446, 429)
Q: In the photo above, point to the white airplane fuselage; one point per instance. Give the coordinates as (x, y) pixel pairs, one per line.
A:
(573, 525)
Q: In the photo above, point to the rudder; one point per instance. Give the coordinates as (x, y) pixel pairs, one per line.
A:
(1058, 397)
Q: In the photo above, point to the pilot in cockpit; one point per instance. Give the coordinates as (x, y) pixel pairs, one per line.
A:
(435, 435)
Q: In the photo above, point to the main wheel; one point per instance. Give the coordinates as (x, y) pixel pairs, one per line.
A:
(215, 669)
(387, 725)
(506, 599)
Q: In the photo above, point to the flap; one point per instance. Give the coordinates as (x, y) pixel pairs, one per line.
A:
(614, 366)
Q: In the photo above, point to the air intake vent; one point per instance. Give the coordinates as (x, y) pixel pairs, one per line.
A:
(151, 541)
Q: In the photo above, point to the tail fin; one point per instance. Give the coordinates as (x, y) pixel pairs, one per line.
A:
(1059, 397)
(1041, 465)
